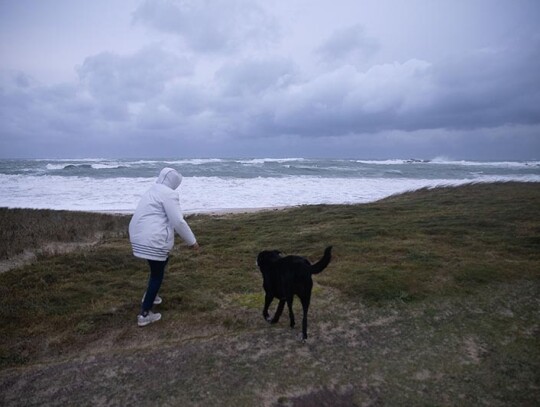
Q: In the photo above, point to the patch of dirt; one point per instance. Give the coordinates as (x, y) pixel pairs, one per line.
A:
(29, 256)
(20, 260)
(319, 398)
(473, 350)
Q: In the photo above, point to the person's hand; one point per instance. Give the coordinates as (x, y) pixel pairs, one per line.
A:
(195, 247)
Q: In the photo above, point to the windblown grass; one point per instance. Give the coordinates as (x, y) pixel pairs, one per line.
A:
(27, 229)
(418, 249)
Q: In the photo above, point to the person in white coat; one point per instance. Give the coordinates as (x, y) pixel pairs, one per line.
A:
(151, 232)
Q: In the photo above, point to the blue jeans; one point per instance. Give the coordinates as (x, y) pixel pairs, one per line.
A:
(157, 270)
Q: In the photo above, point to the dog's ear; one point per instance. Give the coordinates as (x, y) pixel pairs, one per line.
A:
(262, 258)
(276, 254)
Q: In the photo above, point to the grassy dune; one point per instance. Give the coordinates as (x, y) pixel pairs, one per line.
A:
(431, 299)
(32, 230)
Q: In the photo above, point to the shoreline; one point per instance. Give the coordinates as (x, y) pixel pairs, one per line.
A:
(244, 198)
(196, 212)
(235, 211)
(253, 209)
(191, 212)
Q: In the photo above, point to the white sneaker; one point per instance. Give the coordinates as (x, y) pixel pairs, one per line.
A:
(148, 319)
(158, 300)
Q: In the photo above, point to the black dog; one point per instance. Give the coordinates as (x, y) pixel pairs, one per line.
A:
(283, 277)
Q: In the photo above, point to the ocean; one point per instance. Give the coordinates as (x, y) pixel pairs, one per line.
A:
(215, 184)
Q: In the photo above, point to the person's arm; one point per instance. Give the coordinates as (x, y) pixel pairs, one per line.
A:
(174, 213)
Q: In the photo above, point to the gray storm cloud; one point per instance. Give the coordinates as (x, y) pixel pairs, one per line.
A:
(223, 76)
(209, 25)
(348, 45)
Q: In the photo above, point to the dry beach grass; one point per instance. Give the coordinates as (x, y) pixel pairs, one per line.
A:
(431, 299)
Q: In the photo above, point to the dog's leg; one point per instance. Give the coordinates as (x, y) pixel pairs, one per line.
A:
(267, 301)
(291, 314)
(279, 310)
(305, 308)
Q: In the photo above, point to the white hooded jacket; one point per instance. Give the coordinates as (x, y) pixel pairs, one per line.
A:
(158, 215)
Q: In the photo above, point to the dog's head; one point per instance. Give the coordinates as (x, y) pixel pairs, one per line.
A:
(267, 257)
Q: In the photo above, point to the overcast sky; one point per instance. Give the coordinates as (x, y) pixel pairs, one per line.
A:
(284, 78)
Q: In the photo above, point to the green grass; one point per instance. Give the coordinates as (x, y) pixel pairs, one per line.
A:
(408, 252)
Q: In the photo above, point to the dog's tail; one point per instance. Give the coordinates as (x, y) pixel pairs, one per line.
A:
(323, 262)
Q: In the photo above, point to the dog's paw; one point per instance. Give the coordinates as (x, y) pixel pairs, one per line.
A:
(301, 339)
(269, 319)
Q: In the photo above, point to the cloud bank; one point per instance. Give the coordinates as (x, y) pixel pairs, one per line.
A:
(223, 82)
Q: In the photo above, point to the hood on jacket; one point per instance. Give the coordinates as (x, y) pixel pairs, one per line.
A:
(169, 177)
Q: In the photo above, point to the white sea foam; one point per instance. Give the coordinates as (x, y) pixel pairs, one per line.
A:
(96, 185)
(268, 160)
(55, 166)
(381, 162)
(206, 194)
(498, 164)
(107, 166)
(104, 165)
(193, 161)
(447, 161)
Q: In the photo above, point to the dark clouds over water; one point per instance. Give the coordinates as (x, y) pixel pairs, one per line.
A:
(245, 78)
